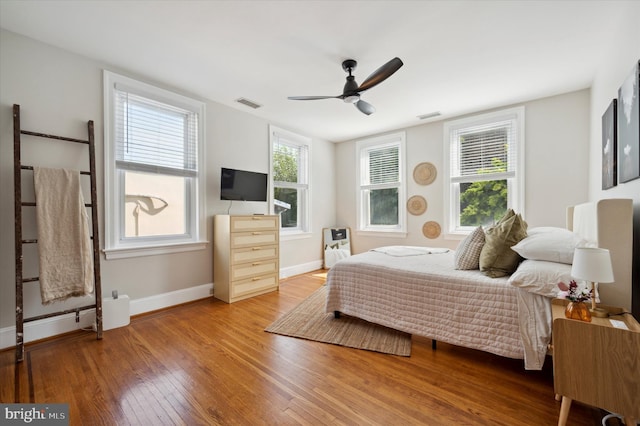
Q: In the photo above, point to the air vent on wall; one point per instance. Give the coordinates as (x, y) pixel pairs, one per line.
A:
(248, 103)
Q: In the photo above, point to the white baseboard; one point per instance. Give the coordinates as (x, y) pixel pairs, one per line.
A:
(172, 298)
(48, 327)
(300, 269)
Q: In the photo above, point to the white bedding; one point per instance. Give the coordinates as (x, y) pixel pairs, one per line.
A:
(423, 294)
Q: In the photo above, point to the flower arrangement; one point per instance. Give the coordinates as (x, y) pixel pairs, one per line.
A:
(573, 293)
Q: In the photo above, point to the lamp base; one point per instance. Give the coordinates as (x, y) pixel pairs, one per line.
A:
(599, 312)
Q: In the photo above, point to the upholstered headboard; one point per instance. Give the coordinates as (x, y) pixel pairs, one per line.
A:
(609, 224)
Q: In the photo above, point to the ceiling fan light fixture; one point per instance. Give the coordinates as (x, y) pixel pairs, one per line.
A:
(352, 99)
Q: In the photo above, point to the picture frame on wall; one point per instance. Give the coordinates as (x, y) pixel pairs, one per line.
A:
(609, 146)
(628, 111)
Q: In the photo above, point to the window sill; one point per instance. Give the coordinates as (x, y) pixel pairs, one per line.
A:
(126, 252)
(456, 236)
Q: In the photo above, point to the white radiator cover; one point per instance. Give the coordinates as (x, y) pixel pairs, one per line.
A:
(115, 312)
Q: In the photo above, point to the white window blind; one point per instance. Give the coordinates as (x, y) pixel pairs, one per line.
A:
(383, 165)
(484, 152)
(152, 136)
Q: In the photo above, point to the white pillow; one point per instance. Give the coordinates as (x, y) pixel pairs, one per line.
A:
(550, 244)
(541, 277)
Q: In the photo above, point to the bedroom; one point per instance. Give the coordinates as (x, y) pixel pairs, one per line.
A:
(45, 79)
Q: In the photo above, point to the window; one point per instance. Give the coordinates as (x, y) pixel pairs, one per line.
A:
(485, 175)
(154, 175)
(381, 186)
(290, 179)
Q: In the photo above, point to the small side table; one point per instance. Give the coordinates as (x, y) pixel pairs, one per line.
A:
(597, 363)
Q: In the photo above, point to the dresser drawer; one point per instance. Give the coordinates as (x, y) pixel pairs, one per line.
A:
(253, 269)
(254, 238)
(252, 254)
(254, 223)
(263, 284)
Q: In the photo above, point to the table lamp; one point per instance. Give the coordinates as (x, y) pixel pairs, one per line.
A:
(594, 265)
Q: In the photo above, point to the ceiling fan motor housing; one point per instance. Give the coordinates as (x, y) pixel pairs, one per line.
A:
(350, 91)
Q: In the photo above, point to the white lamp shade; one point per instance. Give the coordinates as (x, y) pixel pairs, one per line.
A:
(592, 264)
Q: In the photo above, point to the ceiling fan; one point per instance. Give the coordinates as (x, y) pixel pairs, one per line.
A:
(351, 91)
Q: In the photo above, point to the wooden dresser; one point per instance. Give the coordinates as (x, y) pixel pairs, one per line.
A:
(245, 256)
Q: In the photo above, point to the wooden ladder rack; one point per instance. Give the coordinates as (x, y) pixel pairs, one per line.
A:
(19, 204)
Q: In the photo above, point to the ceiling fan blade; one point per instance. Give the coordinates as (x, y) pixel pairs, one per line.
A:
(310, 98)
(381, 74)
(365, 107)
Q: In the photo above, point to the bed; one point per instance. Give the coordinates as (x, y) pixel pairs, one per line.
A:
(418, 291)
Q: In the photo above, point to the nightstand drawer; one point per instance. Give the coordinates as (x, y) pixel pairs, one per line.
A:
(253, 269)
(254, 238)
(253, 223)
(254, 285)
(252, 254)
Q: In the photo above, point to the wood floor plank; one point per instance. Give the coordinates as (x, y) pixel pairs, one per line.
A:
(211, 363)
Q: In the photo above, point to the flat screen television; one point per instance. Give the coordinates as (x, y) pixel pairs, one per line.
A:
(242, 185)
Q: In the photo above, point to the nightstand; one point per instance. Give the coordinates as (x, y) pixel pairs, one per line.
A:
(597, 363)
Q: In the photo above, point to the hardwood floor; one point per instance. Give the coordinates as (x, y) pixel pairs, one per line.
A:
(212, 363)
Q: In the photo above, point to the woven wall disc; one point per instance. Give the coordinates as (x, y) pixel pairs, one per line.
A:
(431, 229)
(424, 173)
(417, 205)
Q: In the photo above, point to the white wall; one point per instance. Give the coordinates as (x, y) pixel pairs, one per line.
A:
(59, 92)
(616, 65)
(556, 169)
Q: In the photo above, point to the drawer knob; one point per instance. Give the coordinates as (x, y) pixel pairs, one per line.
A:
(256, 279)
(256, 263)
(255, 233)
(255, 248)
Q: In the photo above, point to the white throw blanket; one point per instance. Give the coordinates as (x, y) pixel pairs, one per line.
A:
(401, 251)
(64, 242)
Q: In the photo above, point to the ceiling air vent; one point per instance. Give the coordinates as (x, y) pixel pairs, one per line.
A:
(248, 103)
(430, 115)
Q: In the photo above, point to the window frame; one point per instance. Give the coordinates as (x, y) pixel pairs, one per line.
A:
(515, 183)
(363, 222)
(304, 203)
(116, 244)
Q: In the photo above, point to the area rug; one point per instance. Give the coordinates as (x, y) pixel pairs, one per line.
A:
(309, 321)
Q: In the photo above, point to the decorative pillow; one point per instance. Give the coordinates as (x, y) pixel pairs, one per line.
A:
(496, 258)
(541, 277)
(550, 244)
(467, 256)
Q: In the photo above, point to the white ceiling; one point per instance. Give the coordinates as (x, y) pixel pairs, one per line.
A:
(459, 56)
